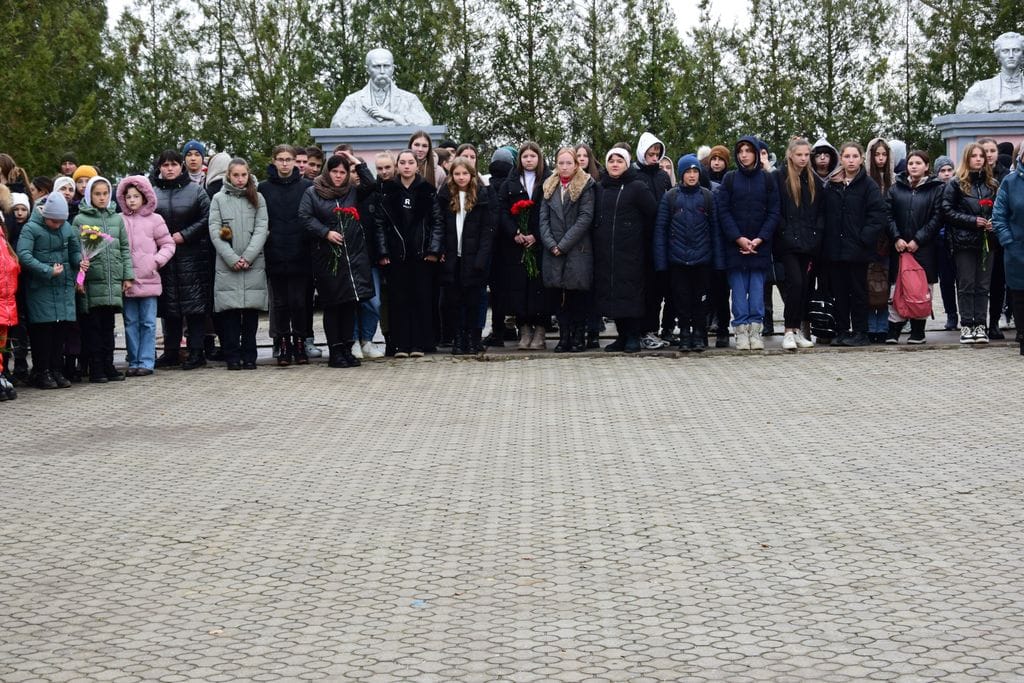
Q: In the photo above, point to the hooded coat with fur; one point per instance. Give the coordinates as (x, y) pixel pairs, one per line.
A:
(239, 289)
(150, 243)
(566, 223)
(112, 265)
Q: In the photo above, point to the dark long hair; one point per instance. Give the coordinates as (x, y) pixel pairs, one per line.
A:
(250, 189)
(534, 147)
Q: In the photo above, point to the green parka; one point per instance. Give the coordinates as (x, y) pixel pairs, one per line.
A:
(112, 265)
(50, 298)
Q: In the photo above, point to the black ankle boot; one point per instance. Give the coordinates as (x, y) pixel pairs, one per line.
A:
(893, 335)
(346, 353)
(578, 338)
(593, 340)
(459, 343)
(196, 359)
(298, 348)
(564, 340)
(283, 350)
(96, 373)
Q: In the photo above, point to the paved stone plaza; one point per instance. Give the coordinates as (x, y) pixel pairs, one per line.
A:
(826, 516)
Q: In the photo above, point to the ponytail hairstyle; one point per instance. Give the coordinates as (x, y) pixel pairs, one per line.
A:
(250, 188)
(793, 175)
(453, 189)
(963, 171)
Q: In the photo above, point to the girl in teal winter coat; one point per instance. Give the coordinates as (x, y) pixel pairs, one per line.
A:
(108, 276)
(49, 250)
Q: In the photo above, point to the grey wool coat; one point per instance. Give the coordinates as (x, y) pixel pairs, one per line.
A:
(239, 288)
(566, 224)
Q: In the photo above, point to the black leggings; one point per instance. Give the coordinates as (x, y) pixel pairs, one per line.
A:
(690, 286)
(48, 345)
(796, 289)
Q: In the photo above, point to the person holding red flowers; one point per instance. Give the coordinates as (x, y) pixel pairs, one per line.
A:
(967, 203)
(341, 261)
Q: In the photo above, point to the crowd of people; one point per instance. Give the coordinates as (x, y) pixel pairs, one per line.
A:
(423, 244)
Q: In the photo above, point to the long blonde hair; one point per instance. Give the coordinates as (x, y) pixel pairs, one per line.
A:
(963, 171)
(453, 189)
(793, 174)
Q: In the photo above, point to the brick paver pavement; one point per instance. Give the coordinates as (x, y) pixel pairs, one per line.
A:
(824, 516)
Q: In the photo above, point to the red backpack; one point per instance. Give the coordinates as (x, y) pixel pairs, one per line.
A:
(912, 297)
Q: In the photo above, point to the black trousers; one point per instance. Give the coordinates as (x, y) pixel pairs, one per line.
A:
(310, 295)
(630, 327)
(289, 305)
(463, 304)
(339, 323)
(238, 339)
(48, 345)
(849, 283)
(1017, 306)
(947, 277)
(411, 304)
(173, 327)
(690, 285)
(98, 335)
(719, 300)
(572, 309)
(796, 290)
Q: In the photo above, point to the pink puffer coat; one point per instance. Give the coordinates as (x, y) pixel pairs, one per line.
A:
(151, 244)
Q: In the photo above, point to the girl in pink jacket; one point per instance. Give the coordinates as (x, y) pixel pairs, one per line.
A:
(151, 247)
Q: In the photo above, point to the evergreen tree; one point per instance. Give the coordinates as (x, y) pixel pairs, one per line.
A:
(152, 103)
(52, 99)
(711, 107)
(599, 40)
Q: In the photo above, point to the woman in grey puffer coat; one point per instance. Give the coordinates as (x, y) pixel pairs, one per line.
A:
(238, 230)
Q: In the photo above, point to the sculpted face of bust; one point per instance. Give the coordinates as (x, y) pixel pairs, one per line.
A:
(380, 67)
(1009, 49)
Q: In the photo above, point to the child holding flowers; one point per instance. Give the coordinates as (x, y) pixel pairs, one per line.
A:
(151, 247)
(107, 266)
(238, 230)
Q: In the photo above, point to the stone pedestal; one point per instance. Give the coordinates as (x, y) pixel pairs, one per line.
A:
(368, 142)
(959, 129)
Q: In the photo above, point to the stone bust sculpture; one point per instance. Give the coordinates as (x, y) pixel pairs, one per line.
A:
(381, 102)
(1005, 92)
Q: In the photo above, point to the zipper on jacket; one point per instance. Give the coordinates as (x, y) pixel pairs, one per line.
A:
(348, 262)
(394, 227)
(615, 220)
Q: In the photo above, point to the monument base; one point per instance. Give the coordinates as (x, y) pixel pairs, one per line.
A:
(959, 129)
(368, 142)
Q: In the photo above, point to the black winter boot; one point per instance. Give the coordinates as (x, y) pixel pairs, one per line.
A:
(196, 359)
(283, 351)
(895, 330)
(96, 373)
(298, 349)
(564, 340)
(578, 338)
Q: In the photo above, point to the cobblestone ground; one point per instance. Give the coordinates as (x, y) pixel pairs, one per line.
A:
(824, 516)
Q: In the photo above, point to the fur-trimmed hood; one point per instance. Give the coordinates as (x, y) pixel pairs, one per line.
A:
(142, 184)
(577, 184)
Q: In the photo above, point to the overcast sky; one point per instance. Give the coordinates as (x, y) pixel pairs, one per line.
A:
(729, 11)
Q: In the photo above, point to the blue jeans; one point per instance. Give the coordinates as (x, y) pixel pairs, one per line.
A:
(368, 313)
(140, 331)
(747, 285)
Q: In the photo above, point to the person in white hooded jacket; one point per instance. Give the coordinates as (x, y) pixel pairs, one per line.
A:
(649, 151)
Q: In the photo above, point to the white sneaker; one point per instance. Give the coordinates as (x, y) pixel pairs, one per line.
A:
(966, 335)
(789, 341)
(756, 340)
(357, 350)
(371, 350)
(652, 342)
(742, 337)
(802, 341)
(980, 335)
(311, 349)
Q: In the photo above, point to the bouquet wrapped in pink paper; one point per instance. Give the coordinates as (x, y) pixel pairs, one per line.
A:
(94, 241)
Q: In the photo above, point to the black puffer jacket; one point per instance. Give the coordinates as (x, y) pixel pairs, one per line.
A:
(477, 239)
(187, 278)
(626, 211)
(854, 219)
(657, 181)
(343, 276)
(287, 248)
(423, 233)
(915, 213)
(961, 211)
(801, 227)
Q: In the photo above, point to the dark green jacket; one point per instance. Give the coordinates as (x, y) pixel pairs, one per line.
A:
(50, 298)
(112, 265)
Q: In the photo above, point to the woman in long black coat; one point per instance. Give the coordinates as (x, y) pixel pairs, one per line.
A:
(187, 279)
(468, 216)
(527, 298)
(625, 208)
(341, 261)
(409, 244)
